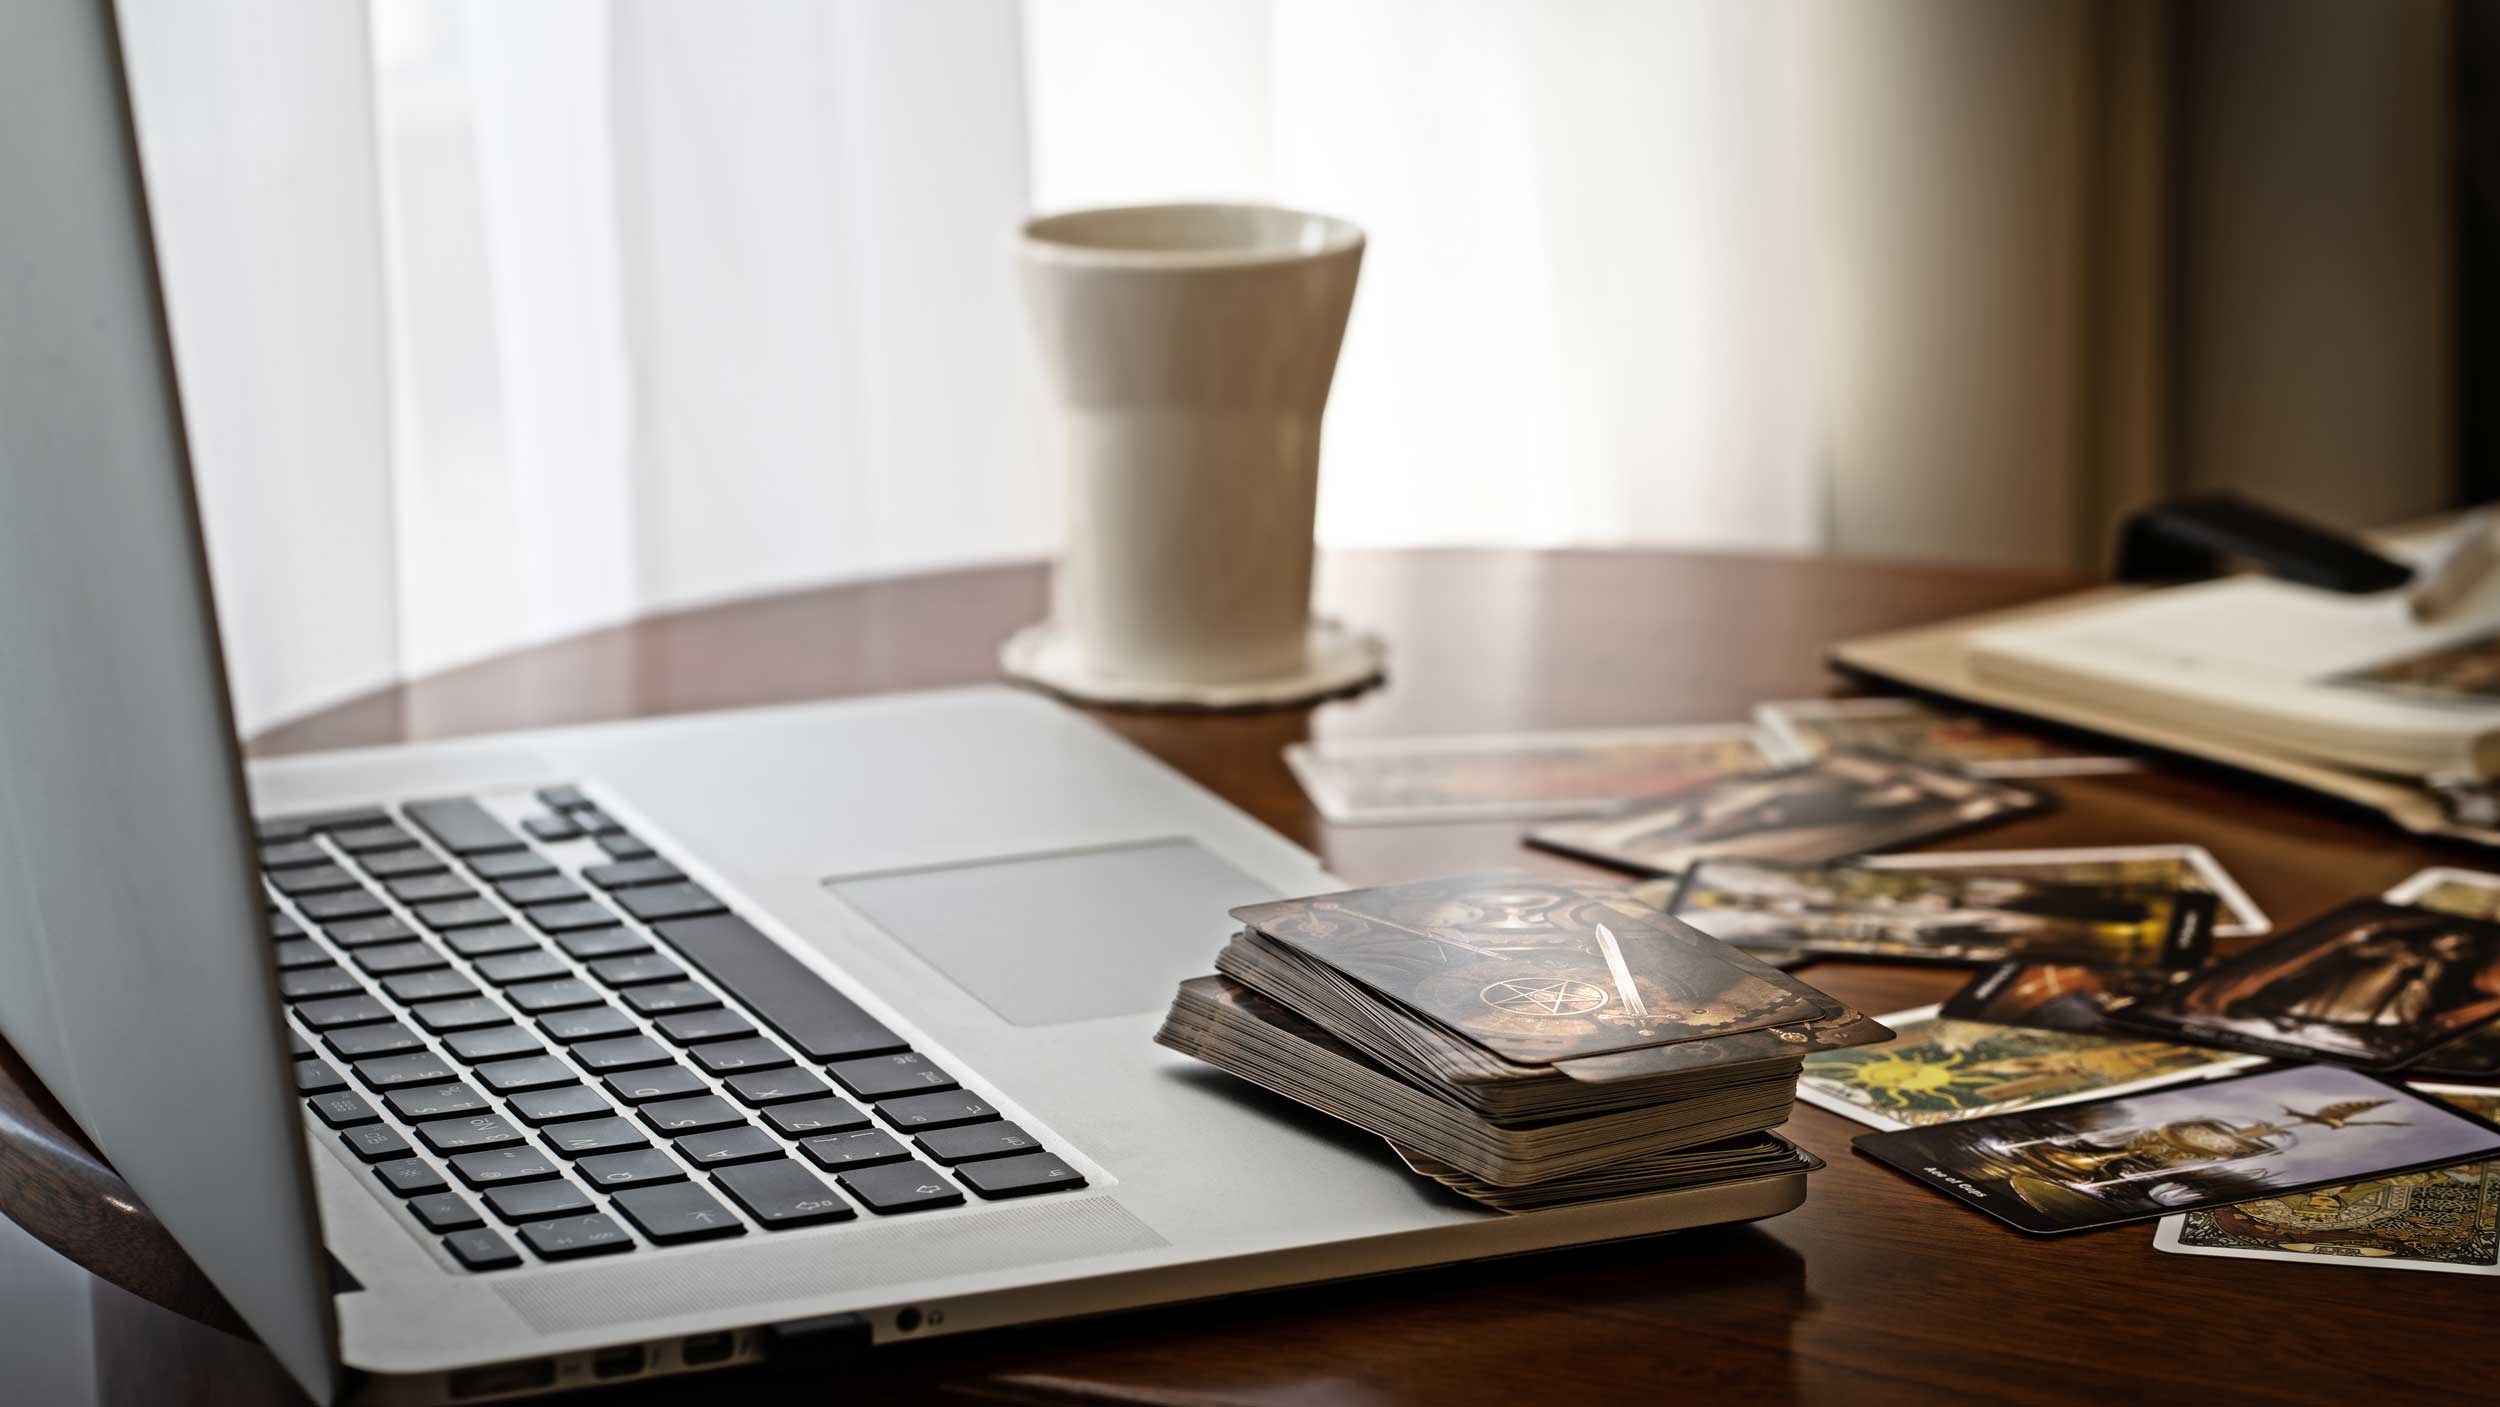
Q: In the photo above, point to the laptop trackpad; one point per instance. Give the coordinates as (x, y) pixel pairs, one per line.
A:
(1067, 936)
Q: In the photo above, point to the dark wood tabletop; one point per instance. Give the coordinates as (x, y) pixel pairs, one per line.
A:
(1875, 1290)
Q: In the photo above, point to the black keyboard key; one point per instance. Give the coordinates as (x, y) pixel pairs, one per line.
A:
(669, 996)
(365, 932)
(367, 840)
(540, 889)
(1024, 1176)
(562, 798)
(508, 864)
(296, 1045)
(483, 1249)
(584, 1137)
(781, 1194)
(683, 1212)
(430, 888)
(375, 1143)
(814, 1117)
(490, 941)
(639, 1167)
(494, 1043)
(296, 827)
(306, 983)
(449, 1136)
(400, 864)
(906, 1186)
(552, 827)
(884, 1076)
(570, 918)
(387, 958)
(327, 909)
(538, 1201)
(719, 1148)
(410, 1177)
(443, 984)
(568, 1237)
(729, 1057)
(536, 1072)
(594, 821)
(464, 1014)
(343, 1109)
(314, 879)
(936, 1111)
(627, 874)
(541, 1107)
(296, 954)
(703, 1112)
(756, 1087)
(403, 1070)
(621, 846)
(535, 965)
(453, 914)
(558, 994)
(973, 1142)
(317, 1077)
(444, 1211)
(449, 1100)
(620, 1053)
(284, 926)
(601, 943)
(638, 970)
(696, 1027)
(867, 1148)
(644, 1086)
(361, 1042)
(327, 1012)
(293, 855)
(786, 993)
(658, 902)
(494, 1167)
(588, 1023)
(461, 826)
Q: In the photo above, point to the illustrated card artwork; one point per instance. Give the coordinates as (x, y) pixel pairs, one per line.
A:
(1539, 970)
(2443, 1219)
(2189, 867)
(2272, 1132)
(1368, 780)
(1841, 804)
(2057, 996)
(2372, 984)
(1936, 1070)
(1799, 730)
(2474, 894)
(1930, 916)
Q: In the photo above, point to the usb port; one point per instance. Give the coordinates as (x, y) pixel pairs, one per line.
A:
(705, 1348)
(617, 1362)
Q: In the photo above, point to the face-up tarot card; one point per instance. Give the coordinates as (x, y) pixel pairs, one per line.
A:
(1800, 729)
(1936, 1070)
(1355, 781)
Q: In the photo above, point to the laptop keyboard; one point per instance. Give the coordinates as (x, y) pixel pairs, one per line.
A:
(551, 1036)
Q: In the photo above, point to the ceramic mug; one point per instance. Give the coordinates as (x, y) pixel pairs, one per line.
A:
(1192, 347)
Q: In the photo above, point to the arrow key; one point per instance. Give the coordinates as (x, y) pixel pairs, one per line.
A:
(907, 1186)
(678, 1211)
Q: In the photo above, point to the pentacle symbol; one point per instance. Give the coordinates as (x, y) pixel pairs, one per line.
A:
(1544, 996)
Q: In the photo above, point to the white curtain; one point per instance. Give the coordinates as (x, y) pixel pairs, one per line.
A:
(500, 321)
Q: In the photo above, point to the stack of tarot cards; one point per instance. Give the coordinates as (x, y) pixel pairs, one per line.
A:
(1527, 1042)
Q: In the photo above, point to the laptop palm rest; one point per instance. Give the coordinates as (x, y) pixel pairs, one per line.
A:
(1069, 935)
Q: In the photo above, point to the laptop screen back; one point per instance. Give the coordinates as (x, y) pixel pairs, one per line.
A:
(135, 975)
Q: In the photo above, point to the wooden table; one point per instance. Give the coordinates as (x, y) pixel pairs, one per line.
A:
(1875, 1291)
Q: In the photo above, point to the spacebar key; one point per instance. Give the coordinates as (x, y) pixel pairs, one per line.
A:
(462, 826)
(787, 993)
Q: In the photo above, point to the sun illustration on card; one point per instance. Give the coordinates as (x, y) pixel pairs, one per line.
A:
(1903, 1079)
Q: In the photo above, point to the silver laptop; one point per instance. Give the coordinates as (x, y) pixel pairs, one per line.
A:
(482, 1069)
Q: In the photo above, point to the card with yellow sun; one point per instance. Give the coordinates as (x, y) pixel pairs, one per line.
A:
(1935, 1071)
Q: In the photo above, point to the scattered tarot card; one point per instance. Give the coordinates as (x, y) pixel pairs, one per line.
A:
(2442, 1219)
(1936, 1070)
(1902, 915)
(1841, 804)
(2058, 996)
(2190, 867)
(2474, 894)
(2372, 984)
(1356, 781)
(2212, 1143)
(1800, 730)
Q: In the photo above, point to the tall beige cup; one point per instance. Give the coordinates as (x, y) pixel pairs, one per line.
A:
(1192, 347)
